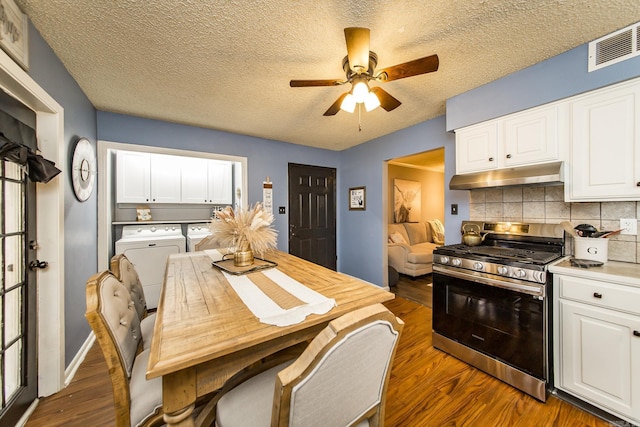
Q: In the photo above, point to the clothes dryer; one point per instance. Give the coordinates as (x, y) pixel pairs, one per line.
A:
(147, 246)
(195, 233)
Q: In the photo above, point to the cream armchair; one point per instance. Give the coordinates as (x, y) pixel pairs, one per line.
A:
(410, 247)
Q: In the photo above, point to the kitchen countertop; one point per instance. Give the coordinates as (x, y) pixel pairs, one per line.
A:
(624, 273)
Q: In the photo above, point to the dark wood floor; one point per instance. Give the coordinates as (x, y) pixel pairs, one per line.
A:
(427, 386)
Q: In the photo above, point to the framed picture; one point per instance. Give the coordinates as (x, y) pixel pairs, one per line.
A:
(357, 199)
(143, 213)
(406, 195)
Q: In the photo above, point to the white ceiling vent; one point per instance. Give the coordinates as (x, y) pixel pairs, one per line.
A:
(614, 47)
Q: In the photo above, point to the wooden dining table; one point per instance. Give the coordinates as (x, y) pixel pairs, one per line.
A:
(204, 333)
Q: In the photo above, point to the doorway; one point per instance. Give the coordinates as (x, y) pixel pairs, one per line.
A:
(50, 227)
(312, 214)
(424, 173)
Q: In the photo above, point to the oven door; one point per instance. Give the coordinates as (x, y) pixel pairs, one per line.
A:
(505, 324)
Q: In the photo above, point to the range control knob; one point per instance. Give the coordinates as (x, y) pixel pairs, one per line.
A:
(456, 262)
(477, 266)
(444, 259)
(539, 276)
(503, 270)
(521, 273)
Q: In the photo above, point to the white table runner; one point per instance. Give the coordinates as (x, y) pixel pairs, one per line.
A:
(267, 310)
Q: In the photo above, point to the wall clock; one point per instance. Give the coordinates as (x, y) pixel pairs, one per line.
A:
(83, 169)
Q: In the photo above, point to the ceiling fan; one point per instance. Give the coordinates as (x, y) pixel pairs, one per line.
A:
(359, 66)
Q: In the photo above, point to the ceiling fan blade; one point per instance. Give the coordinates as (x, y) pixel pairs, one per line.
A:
(358, 48)
(310, 83)
(424, 65)
(387, 101)
(335, 107)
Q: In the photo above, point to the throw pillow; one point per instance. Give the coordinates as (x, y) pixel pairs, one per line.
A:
(397, 238)
(417, 232)
(437, 229)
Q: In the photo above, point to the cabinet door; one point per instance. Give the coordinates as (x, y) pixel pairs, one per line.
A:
(605, 145)
(599, 357)
(531, 137)
(194, 180)
(220, 182)
(165, 179)
(133, 184)
(477, 147)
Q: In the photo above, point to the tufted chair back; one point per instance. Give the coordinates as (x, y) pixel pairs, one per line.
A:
(124, 270)
(114, 320)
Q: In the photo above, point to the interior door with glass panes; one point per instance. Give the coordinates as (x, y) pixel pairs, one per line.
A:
(18, 370)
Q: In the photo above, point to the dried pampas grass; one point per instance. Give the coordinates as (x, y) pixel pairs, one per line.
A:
(245, 229)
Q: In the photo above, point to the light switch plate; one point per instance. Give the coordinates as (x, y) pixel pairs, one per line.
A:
(630, 226)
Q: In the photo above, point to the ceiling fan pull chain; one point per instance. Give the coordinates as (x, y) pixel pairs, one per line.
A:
(359, 117)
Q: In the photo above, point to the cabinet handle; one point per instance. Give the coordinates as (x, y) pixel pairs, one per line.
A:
(508, 156)
(637, 184)
(636, 333)
(491, 159)
(597, 295)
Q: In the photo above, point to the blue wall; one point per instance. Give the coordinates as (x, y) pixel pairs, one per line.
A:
(264, 157)
(556, 78)
(80, 219)
(362, 242)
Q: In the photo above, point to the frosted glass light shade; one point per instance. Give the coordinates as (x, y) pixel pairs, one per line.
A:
(348, 103)
(360, 91)
(371, 102)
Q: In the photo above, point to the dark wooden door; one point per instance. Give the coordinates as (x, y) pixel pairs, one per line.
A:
(312, 214)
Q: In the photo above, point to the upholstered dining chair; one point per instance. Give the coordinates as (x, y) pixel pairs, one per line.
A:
(339, 380)
(125, 272)
(114, 320)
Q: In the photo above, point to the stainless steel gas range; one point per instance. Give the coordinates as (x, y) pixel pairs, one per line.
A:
(492, 302)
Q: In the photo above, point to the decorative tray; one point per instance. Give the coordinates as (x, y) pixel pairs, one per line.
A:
(226, 264)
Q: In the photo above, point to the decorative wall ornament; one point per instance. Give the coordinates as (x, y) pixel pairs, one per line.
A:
(13, 33)
(407, 201)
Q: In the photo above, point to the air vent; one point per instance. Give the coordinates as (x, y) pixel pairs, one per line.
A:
(614, 47)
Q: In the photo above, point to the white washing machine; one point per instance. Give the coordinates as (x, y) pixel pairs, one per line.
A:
(147, 246)
(195, 233)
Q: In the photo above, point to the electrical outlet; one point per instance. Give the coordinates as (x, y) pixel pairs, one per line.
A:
(629, 226)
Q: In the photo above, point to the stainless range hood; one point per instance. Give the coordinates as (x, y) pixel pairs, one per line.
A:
(544, 174)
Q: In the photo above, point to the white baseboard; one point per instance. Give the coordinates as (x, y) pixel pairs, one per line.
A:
(71, 370)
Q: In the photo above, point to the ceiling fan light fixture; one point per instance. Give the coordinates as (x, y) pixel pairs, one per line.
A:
(371, 102)
(348, 103)
(360, 91)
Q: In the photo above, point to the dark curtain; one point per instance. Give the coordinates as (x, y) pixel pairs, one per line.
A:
(18, 144)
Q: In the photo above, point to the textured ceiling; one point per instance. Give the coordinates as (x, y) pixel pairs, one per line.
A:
(226, 64)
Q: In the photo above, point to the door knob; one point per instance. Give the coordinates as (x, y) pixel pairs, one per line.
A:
(37, 264)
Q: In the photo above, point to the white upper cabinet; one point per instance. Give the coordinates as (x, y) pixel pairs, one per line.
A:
(165, 179)
(133, 177)
(194, 180)
(519, 139)
(605, 145)
(159, 178)
(220, 182)
(207, 181)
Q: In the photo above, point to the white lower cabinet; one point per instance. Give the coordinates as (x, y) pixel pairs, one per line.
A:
(598, 343)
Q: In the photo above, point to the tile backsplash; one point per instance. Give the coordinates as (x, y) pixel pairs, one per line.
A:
(546, 204)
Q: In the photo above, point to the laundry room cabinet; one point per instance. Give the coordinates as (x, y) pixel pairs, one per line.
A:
(159, 178)
(605, 144)
(207, 181)
(146, 178)
(597, 339)
(519, 139)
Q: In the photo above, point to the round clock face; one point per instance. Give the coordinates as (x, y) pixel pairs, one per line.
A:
(83, 169)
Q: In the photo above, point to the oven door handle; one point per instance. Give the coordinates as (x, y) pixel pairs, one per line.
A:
(506, 283)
